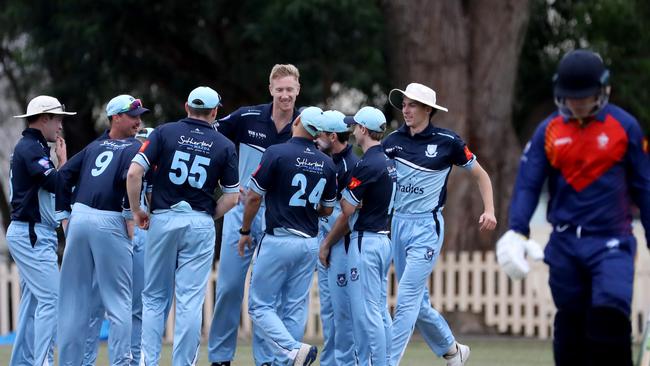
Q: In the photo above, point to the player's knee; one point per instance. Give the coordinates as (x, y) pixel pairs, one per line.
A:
(609, 333)
(569, 343)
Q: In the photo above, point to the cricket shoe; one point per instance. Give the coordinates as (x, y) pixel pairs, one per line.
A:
(459, 358)
(306, 355)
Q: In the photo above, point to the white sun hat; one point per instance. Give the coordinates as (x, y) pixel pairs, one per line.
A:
(417, 92)
(45, 104)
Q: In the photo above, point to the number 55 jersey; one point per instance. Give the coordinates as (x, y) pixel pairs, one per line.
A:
(191, 158)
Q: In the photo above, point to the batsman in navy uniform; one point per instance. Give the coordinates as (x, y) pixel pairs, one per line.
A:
(31, 236)
(252, 129)
(191, 159)
(424, 155)
(338, 342)
(98, 237)
(372, 186)
(298, 183)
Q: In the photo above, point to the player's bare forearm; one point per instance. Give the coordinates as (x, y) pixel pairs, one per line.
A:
(341, 226)
(134, 186)
(488, 220)
(252, 206)
(130, 227)
(226, 202)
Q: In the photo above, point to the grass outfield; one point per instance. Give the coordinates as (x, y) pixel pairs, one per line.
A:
(486, 351)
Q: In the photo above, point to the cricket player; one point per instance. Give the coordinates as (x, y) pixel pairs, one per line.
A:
(253, 129)
(191, 159)
(595, 159)
(372, 186)
(98, 237)
(31, 236)
(298, 183)
(424, 155)
(338, 347)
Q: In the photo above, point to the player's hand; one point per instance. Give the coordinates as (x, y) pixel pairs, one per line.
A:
(512, 249)
(60, 150)
(141, 219)
(487, 221)
(324, 255)
(244, 241)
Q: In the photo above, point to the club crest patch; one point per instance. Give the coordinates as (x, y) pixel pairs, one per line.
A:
(354, 274)
(429, 254)
(341, 281)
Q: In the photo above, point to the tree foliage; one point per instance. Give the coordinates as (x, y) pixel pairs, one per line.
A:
(617, 29)
(92, 51)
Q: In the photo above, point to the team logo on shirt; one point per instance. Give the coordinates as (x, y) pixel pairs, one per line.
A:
(44, 162)
(354, 183)
(256, 135)
(429, 254)
(144, 146)
(341, 281)
(197, 131)
(431, 151)
(354, 274)
(468, 154)
(603, 139)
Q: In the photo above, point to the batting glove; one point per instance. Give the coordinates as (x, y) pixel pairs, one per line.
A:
(512, 249)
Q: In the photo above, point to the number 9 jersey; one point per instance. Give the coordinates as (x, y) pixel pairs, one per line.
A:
(190, 159)
(295, 177)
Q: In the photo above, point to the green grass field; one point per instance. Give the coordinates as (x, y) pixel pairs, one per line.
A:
(486, 351)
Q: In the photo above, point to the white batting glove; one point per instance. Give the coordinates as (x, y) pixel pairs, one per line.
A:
(512, 249)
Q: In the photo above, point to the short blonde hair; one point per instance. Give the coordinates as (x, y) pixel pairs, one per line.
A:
(282, 70)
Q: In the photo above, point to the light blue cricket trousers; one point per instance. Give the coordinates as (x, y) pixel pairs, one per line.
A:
(369, 259)
(421, 236)
(97, 246)
(97, 316)
(39, 285)
(338, 347)
(231, 279)
(179, 253)
(279, 290)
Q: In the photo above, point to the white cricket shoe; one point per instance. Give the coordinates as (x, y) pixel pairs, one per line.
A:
(306, 355)
(460, 357)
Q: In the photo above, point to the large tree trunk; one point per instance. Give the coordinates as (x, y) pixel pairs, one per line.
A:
(468, 52)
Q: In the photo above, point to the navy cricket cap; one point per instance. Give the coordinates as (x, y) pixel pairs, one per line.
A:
(580, 74)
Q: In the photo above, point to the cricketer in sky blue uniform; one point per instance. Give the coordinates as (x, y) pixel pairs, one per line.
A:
(31, 236)
(252, 129)
(97, 317)
(424, 156)
(298, 184)
(338, 341)
(191, 159)
(372, 186)
(98, 244)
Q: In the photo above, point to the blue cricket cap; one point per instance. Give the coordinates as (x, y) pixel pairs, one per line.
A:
(370, 118)
(204, 97)
(334, 122)
(312, 119)
(125, 104)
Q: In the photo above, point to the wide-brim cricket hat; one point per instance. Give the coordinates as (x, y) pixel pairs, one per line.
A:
(417, 92)
(204, 97)
(45, 104)
(368, 117)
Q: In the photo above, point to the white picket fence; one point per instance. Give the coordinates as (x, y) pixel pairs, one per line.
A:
(469, 282)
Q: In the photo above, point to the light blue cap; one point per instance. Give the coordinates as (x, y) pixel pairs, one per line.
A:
(334, 122)
(125, 103)
(370, 118)
(312, 120)
(204, 97)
